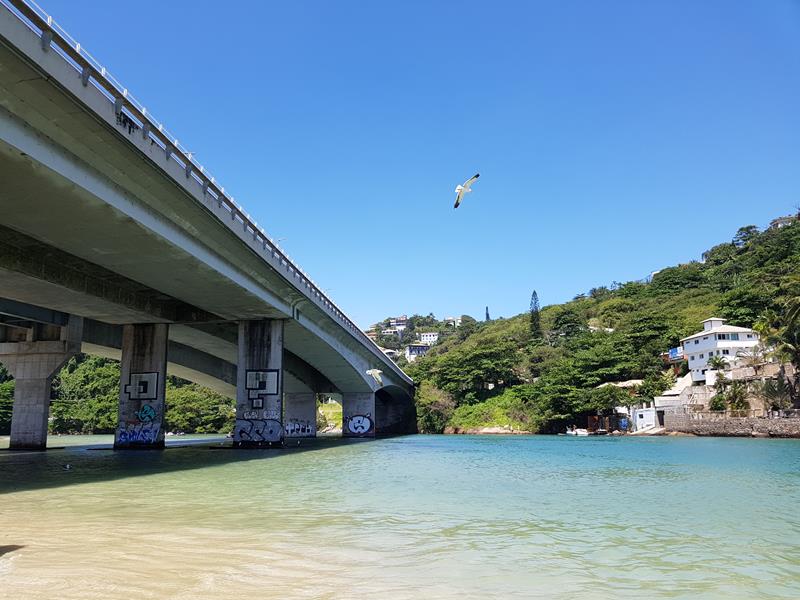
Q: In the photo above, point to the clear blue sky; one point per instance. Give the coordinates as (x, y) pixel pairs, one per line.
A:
(613, 138)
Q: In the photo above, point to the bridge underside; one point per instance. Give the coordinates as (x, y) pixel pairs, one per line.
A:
(133, 260)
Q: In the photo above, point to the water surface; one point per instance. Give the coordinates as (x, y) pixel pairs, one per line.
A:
(410, 517)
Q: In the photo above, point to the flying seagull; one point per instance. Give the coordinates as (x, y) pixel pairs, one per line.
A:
(465, 189)
(376, 375)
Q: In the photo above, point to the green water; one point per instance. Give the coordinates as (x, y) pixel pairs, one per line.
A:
(412, 517)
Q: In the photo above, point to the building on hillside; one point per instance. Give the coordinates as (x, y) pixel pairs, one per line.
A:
(429, 337)
(595, 329)
(716, 339)
(392, 331)
(393, 354)
(454, 321)
(371, 333)
(414, 351)
(399, 323)
(781, 222)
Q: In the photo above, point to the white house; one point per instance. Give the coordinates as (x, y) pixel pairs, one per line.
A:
(429, 337)
(414, 351)
(399, 323)
(716, 339)
(454, 321)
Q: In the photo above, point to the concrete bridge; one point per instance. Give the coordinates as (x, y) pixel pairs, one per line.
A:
(115, 241)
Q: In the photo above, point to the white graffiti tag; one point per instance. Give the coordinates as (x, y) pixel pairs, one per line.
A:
(359, 424)
(257, 430)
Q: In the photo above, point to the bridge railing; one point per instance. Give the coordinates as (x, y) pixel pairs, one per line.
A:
(54, 37)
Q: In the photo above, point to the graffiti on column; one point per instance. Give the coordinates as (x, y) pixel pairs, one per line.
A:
(359, 424)
(260, 421)
(139, 433)
(146, 414)
(146, 426)
(257, 430)
(297, 427)
(142, 386)
(260, 384)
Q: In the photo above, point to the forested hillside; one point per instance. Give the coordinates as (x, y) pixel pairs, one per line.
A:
(537, 372)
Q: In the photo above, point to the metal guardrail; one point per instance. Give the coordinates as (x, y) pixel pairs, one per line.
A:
(53, 36)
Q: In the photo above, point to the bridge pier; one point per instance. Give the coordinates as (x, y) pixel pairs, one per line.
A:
(34, 361)
(300, 415)
(358, 414)
(259, 385)
(143, 385)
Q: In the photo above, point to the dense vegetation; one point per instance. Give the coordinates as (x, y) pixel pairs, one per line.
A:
(541, 370)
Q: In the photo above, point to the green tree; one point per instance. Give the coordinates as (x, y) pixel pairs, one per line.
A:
(566, 325)
(434, 408)
(745, 235)
(743, 305)
(87, 396)
(717, 363)
(535, 318)
(194, 409)
(736, 396)
(775, 394)
(6, 405)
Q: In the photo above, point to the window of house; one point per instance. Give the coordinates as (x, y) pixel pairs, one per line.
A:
(691, 357)
(749, 336)
(705, 337)
(697, 341)
(722, 336)
(702, 356)
(735, 336)
(726, 352)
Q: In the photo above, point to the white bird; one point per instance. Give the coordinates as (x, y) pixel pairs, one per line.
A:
(464, 189)
(376, 375)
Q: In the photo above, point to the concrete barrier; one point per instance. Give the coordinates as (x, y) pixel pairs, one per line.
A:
(733, 426)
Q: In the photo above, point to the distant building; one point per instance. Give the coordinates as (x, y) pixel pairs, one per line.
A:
(414, 351)
(399, 323)
(393, 354)
(716, 339)
(429, 337)
(781, 222)
(454, 321)
(371, 333)
(392, 331)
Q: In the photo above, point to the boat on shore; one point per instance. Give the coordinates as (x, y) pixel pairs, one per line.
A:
(577, 431)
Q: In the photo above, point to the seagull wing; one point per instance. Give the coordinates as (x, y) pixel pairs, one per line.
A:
(468, 183)
(459, 196)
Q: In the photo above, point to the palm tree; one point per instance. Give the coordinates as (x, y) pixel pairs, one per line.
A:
(793, 312)
(775, 394)
(753, 357)
(788, 349)
(717, 363)
(737, 396)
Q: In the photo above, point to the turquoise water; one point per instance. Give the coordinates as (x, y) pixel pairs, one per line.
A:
(411, 517)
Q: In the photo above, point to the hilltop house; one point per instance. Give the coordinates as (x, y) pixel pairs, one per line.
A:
(414, 351)
(429, 337)
(399, 323)
(716, 339)
(454, 321)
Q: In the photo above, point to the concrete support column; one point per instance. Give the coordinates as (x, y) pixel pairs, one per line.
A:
(300, 415)
(143, 385)
(259, 385)
(33, 363)
(358, 414)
